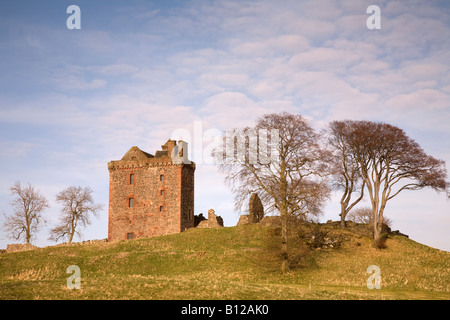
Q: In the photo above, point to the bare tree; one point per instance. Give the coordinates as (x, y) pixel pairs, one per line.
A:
(365, 215)
(28, 206)
(361, 215)
(391, 162)
(77, 205)
(345, 169)
(290, 182)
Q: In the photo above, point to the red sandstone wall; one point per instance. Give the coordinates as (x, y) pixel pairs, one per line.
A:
(187, 197)
(145, 218)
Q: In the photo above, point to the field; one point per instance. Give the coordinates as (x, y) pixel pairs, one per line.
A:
(229, 263)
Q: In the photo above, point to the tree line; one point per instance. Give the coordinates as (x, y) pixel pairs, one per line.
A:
(357, 158)
(29, 204)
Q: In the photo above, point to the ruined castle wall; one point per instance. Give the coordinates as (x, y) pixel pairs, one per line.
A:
(187, 197)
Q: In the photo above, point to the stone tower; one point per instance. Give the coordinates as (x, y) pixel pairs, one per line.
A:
(151, 195)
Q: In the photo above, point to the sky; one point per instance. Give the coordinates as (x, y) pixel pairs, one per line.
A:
(140, 72)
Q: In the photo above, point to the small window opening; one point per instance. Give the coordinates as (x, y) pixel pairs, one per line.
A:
(161, 208)
(161, 177)
(132, 178)
(130, 202)
(130, 235)
(161, 192)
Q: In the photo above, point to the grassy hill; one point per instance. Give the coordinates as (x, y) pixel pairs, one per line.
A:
(229, 263)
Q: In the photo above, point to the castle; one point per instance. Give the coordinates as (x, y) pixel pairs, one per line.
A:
(151, 195)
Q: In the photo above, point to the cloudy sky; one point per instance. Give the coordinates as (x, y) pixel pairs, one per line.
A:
(139, 72)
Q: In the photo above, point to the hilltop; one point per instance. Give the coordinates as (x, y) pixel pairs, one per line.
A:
(239, 262)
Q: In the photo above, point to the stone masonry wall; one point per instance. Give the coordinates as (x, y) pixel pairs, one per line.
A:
(256, 209)
(162, 194)
(187, 197)
(213, 221)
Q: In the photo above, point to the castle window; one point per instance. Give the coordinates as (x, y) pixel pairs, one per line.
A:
(161, 208)
(161, 177)
(161, 193)
(132, 178)
(130, 235)
(130, 202)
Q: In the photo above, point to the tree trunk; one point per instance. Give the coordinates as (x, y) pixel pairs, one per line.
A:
(284, 243)
(343, 215)
(70, 237)
(72, 227)
(344, 204)
(376, 235)
(28, 236)
(27, 227)
(378, 227)
(284, 217)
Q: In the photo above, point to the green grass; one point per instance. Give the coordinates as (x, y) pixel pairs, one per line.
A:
(228, 263)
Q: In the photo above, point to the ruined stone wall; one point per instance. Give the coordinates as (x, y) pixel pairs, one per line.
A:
(213, 221)
(256, 209)
(15, 247)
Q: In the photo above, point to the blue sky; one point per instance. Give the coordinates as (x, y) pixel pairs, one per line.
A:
(139, 72)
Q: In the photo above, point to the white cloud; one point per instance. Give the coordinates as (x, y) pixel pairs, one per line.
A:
(225, 79)
(229, 110)
(34, 42)
(118, 69)
(75, 83)
(286, 44)
(325, 59)
(424, 101)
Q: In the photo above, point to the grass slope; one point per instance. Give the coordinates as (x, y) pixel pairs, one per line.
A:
(227, 263)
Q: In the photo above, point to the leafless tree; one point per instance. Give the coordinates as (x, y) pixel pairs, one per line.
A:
(291, 183)
(365, 215)
(28, 206)
(361, 215)
(77, 204)
(391, 162)
(345, 169)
